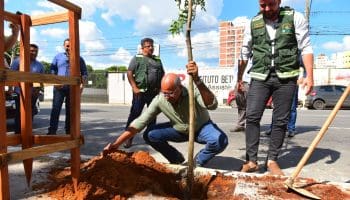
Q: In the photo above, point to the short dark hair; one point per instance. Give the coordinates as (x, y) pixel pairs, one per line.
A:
(144, 40)
(34, 45)
(67, 39)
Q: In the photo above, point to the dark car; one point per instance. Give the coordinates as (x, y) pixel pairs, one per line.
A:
(11, 105)
(323, 96)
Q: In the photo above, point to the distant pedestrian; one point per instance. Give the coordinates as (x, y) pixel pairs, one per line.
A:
(60, 66)
(35, 67)
(241, 91)
(145, 73)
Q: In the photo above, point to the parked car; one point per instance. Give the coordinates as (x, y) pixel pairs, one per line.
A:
(11, 104)
(323, 96)
(231, 98)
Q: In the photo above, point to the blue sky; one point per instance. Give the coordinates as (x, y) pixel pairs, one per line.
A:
(110, 30)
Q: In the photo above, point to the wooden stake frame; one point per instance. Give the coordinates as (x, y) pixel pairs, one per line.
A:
(45, 144)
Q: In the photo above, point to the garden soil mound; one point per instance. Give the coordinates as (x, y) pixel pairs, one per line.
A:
(136, 175)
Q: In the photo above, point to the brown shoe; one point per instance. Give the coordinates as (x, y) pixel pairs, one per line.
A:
(250, 167)
(273, 168)
(237, 129)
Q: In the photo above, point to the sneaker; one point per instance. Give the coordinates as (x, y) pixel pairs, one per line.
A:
(237, 129)
(250, 167)
(291, 133)
(179, 160)
(50, 133)
(273, 168)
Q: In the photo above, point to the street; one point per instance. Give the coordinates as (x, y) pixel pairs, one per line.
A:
(102, 123)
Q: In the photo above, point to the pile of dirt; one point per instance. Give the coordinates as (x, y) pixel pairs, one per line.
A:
(121, 175)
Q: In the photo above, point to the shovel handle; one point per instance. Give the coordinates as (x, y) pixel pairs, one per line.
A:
(319, 136)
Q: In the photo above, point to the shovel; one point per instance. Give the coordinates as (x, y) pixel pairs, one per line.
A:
(290, 181)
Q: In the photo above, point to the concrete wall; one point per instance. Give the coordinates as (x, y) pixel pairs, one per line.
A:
(219, 80)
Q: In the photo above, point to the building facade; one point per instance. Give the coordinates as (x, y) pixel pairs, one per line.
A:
(231, 39)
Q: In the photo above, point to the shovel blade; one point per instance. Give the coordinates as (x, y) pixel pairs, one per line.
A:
(303, 192)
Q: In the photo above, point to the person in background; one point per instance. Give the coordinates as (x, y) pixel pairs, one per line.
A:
(173, 102)
(60, 66)
(145, 73)
(35, 67)
(275, 36)
(241, 90)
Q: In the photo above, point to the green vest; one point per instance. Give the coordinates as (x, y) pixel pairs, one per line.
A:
(285, 54)
(141, 73)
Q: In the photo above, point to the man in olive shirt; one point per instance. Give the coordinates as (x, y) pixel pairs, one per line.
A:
(173, 102)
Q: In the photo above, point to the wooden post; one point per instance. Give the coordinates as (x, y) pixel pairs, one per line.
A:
(26, 95)
(4, 174)
(74, 61)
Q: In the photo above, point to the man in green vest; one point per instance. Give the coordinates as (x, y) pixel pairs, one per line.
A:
(145, 73)
(274, 36)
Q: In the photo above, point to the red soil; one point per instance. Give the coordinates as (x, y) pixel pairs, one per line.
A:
(121, 175)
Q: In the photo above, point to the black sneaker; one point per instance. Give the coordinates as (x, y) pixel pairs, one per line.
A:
(50, 133)
(179, 160)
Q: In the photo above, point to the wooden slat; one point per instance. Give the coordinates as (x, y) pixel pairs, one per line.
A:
(50, 139)
(16, 76)
(68, 5)
(15, 139)
(16, 19)
(74, 62)
(11, 157)
(49, 18)
(4, 174)
(26, 96)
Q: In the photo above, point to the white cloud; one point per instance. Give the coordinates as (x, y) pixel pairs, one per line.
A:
(91, 37)
(240, 21)
(121, 56)
(54, 32)
(338, 46)
(49, 6)
(88, 7)
(204, 45)
(346, 42)
(148, 19)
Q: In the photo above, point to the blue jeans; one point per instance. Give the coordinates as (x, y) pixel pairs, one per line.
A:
(18, 110)
(138, 102)
(214, 138)
(59, 95)
(282, 92)
(293, 112)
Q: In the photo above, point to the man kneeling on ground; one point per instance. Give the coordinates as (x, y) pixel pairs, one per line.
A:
(173, 102)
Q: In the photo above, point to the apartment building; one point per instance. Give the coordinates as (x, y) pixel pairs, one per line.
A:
(231, 38)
